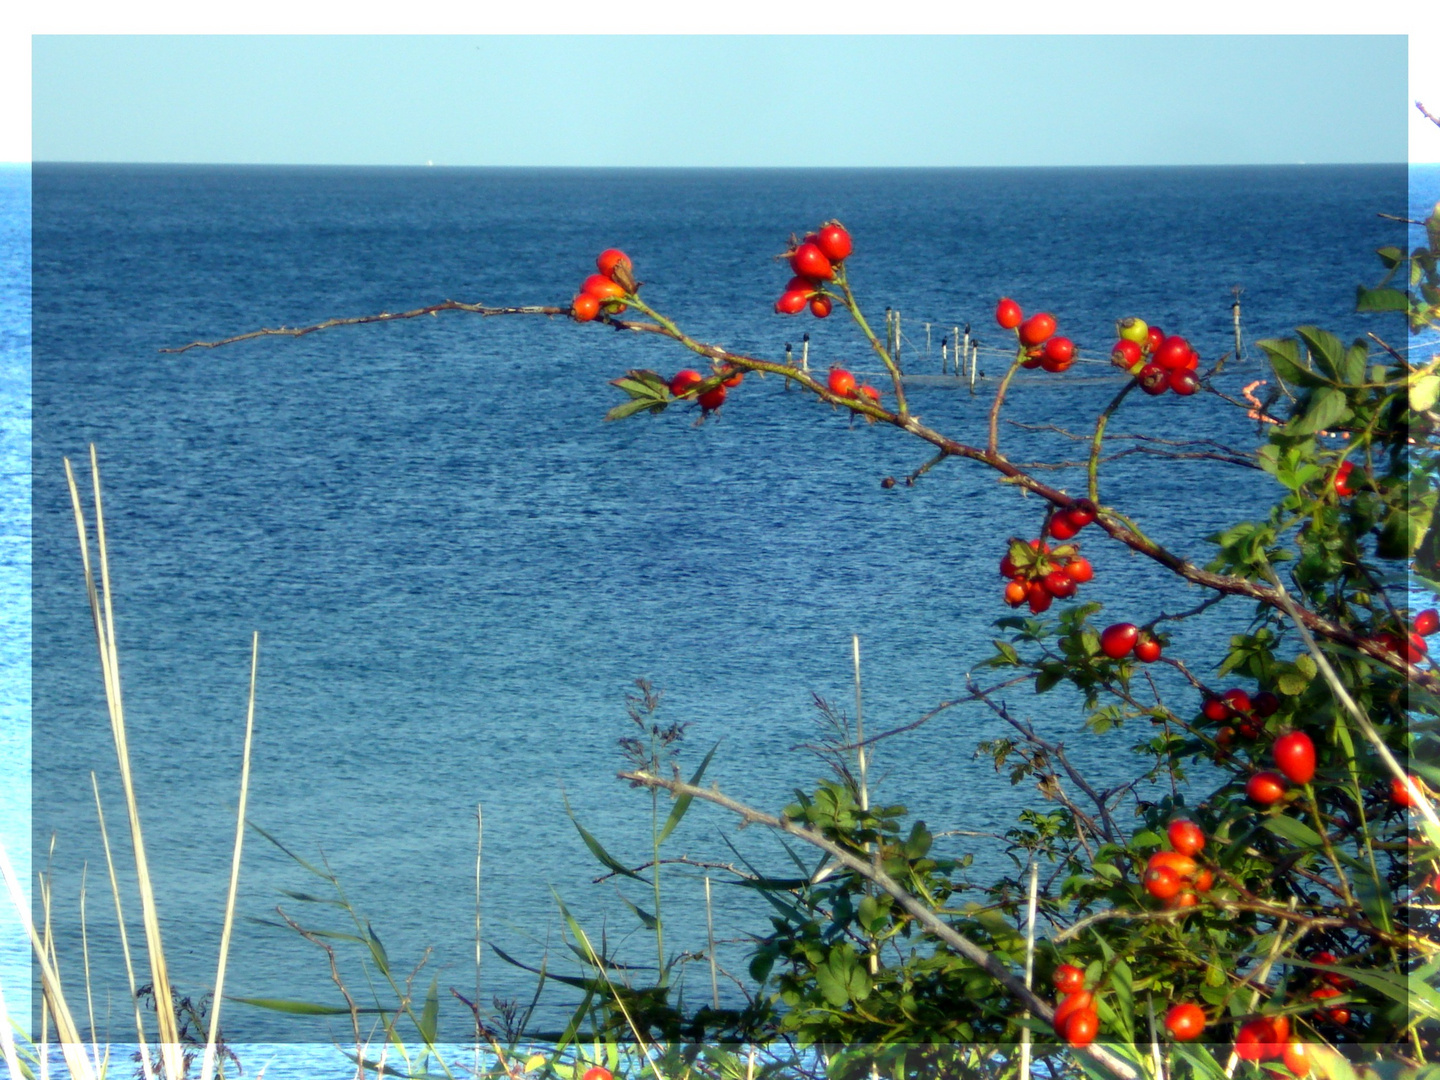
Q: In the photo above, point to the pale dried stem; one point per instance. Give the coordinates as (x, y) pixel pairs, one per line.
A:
(124, 937)
(208, 1068)
(170, 1054)
(66, 1031)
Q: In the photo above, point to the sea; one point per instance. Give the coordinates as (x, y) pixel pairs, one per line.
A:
(458, 569)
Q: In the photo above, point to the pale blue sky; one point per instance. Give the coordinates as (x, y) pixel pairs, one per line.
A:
(726, 101)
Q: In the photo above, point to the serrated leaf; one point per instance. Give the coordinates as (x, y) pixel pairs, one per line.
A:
(1284, 356)
(633, 406)
(1380, 300)
(1424, 391)
(1352, 367)
(1327, 408)
(1291, 683)
(1325, 348)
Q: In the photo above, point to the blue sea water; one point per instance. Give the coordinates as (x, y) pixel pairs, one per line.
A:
(457, 569)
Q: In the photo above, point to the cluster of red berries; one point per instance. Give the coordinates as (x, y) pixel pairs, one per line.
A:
(1294, 754)
(1237, 705)
(606, 290)
(1076, 1020)
(1037, 575)
(685, 383)
(1267, 1038)
(1413, 645)
(1160, 363)
(1121, 640)
(814, 260)
(1037, 337)
(842, 384)
(1174, 876)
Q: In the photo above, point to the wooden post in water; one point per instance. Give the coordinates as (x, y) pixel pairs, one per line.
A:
(944, 355)
(927, 340)
(897, 337)
(964, 353)
(974, 363)
(1235, 311)
(805, 352)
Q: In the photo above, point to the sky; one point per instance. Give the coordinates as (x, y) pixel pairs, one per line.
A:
(922, 98)
(720, 101)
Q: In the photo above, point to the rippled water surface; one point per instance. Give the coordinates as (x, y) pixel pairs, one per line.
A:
(457, 569)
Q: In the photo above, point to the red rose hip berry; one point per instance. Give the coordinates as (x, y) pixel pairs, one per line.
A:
(1117, 641)
(1008, 313)
(1294, 755)
(1186, 837)
(1265, 788)
(1037, 328)
(1185, 1022)
(809, 261)
(834, 242)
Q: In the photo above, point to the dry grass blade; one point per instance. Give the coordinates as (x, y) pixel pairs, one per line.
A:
(170, 1054)
(124, 937)
(69, 1035)
(85, 952)
(208, 1069)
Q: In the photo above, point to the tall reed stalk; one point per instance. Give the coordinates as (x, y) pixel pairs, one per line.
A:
(104, 617)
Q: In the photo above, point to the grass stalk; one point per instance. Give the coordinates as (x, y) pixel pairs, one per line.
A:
(85, 953)
(69, 1035)
(208, 1068)
(170, 1055)
(144, 1048)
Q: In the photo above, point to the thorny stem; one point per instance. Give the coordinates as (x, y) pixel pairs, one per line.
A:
(1114, 524)
(993, 443)
(1093, 469)
(901, 405)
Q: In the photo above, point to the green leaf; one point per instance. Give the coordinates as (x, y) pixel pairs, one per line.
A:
(296, 1008)
(430, 1015)
(1325, 347)
(1291, 683)
(841, 979)
(1327, 408)
(1424, 392)
(1390, 256)
(1294, 830)
(683, 802)
(1380, 300)
(1352, 369)
(377, 950)
(1048, 676)
(598, 850)
(646, 919)
(1284, 355)
(630, 408)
